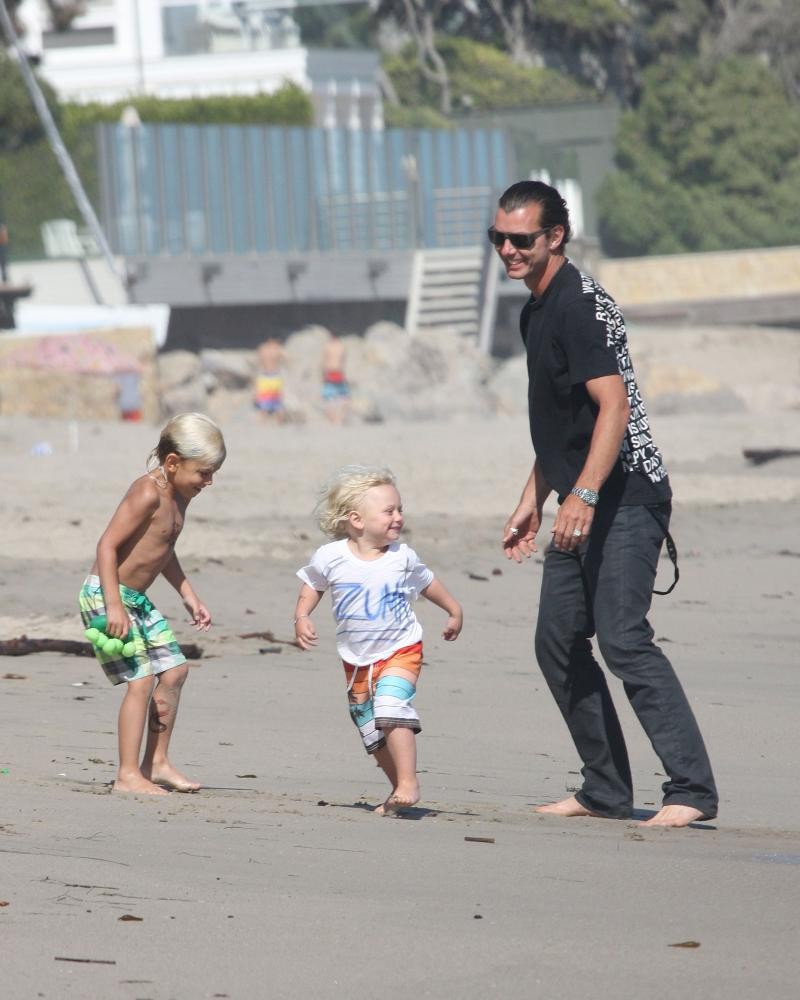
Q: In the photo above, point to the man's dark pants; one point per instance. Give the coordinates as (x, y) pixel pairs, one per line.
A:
(605, 589)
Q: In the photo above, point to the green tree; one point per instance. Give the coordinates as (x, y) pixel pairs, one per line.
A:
(709, 160)
(481, 78)
(585, 39)
(19, 123)
(290, 105)
(31, 186)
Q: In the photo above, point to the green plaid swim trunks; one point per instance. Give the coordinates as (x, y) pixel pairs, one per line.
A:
(156, 648)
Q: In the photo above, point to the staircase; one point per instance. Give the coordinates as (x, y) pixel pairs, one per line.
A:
(446, 290)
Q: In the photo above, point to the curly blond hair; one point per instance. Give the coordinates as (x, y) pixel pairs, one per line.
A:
(345, 492)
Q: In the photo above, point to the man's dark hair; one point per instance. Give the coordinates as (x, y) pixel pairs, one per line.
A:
(554, 208)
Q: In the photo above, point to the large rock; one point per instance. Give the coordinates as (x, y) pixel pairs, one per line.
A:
(180, 375)
(508, 386)
(229, 369)
(302, 373)
(679, 389)
(434, 374)
(716, 369)
(178, 368)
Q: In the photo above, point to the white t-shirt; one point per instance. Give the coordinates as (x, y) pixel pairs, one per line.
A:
(370, 598)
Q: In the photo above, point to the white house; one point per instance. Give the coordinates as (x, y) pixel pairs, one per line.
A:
(197, 48)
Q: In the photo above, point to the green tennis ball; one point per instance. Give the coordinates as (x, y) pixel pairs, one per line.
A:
(99, 622)
(92, 634)
(128, 649)
(112, 645)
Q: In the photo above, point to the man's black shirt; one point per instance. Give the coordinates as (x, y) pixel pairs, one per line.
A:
(573, 333)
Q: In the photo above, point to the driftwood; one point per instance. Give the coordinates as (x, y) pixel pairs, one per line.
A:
(23, 646)
(758, 456)
(271, 637)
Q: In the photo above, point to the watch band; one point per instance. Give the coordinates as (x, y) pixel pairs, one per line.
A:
(588, 496)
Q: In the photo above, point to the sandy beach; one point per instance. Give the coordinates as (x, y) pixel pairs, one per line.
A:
(276, 880)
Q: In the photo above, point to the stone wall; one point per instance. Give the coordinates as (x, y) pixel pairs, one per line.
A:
(32, 393)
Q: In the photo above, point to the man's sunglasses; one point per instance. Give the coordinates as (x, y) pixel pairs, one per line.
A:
(520, 241)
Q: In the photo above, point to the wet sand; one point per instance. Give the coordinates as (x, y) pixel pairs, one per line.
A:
(276, 880)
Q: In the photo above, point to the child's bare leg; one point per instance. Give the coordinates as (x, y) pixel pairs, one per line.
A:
(132, 716)
(401, 746)
(384, 761)
(163, 710)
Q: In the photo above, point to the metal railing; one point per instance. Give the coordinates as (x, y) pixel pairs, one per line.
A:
(188, 190)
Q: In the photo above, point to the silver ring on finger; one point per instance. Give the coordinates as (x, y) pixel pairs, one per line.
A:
(577, 533)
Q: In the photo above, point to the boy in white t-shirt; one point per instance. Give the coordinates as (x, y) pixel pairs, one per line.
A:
(373, 578)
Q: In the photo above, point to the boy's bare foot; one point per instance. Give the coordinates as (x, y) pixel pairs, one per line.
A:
(566, 807)
(403, 797)
(137, 784)
(168, 776)
(676, 816)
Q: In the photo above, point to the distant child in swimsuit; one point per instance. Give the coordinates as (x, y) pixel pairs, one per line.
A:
(137, 546)
(373, 577)
(335, 387)
(268, 390)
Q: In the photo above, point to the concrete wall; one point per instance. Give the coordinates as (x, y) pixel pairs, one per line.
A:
(199, 327)
(236, 301)
(63, 282)
(733, 274)
(26, 391)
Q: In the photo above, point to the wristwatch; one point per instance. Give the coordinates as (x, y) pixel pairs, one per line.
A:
(588, 496)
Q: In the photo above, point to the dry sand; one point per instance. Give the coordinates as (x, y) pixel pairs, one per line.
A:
(276, 881)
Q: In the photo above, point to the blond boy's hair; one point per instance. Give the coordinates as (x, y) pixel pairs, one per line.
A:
(191, 436)
(345, 493)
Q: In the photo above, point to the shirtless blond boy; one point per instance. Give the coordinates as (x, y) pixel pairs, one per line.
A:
(137, 546)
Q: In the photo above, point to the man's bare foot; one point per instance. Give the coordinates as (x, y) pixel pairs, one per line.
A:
(167, 775)
(676, 816)
(403, 797)
(566, 807)
(137, 784)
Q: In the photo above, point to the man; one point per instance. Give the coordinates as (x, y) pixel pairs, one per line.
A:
(594, 449)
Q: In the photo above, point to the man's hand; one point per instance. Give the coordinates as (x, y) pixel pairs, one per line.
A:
(573, 524)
